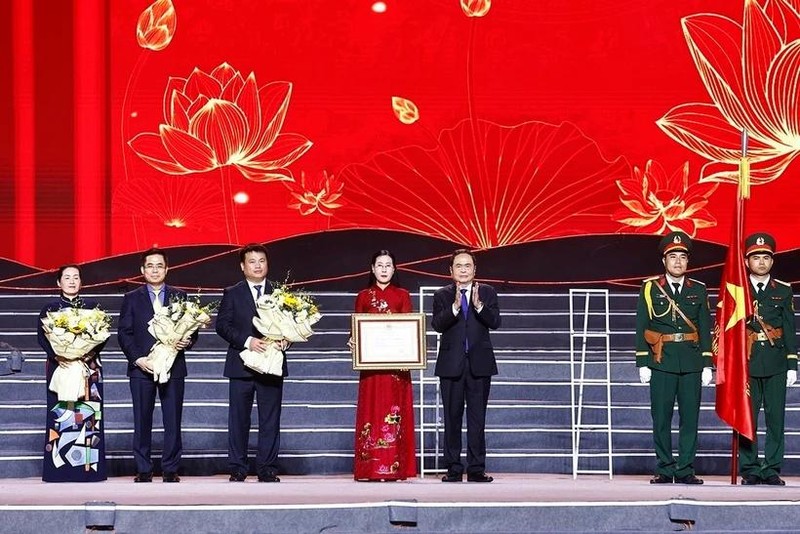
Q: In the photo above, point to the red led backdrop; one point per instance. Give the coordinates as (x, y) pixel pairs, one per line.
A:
(488, 124)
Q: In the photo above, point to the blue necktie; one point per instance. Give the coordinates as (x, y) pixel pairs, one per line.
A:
(465, 312)
(258, 291)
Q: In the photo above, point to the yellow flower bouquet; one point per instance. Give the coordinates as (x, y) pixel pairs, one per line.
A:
(171, 324)
(74, 333)
(283, 315)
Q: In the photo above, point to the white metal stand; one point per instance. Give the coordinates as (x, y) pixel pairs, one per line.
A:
(422, 426)
(581, 333)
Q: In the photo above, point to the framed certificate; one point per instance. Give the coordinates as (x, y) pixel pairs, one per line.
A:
(388, 341)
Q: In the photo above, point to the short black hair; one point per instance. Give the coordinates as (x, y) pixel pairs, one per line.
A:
(383, 252)
(252, 247)
(463, 251)
(64, 268)
(152, 251)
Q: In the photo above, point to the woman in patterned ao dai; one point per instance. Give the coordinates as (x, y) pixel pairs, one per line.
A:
(74, 449)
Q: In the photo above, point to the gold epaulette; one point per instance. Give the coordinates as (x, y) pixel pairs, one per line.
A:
(787, 284)
(697, 282)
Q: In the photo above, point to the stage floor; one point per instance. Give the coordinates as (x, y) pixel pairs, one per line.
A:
(333, 490)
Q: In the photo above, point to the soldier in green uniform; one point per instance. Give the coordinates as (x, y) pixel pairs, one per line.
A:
(673, 354)
(772, 353)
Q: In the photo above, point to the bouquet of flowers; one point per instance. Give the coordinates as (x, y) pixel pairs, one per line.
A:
(74, 333)
(171, 324)
(283, 315)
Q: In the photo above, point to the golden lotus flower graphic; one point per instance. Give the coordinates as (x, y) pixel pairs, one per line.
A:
(752, 73)
(476, 8)
(219, 119)
(156, 25)
(320, 196)
(405, 110)
(655, 202)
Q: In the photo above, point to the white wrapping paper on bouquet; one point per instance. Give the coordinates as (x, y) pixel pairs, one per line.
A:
(277, 325)
(170, 325)
(73, 333)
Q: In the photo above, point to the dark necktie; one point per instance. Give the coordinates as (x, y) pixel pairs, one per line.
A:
(677, 287)
(760, 287)
(258, 291)
(465, 312)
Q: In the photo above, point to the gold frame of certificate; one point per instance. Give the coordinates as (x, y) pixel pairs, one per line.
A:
(388, 341)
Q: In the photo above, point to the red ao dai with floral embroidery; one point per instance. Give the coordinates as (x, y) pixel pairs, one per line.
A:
(384, 441)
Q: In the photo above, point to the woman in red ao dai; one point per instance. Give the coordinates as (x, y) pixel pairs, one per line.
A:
(384, 440)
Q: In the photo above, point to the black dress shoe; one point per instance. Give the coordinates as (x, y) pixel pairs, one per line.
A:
(661, 479)
(478, 477)
(237, 477)
(269, 478)
(143, 477)
(452, 477)
(750, 480)
(688, 479)
(169, 476)
(774, 480)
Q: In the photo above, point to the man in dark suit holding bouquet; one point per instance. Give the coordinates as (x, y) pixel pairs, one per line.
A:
(138, 308)
(463, 313)
(235, 325)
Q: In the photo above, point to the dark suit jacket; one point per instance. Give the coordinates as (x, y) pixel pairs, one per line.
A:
(235, 325)
(134, 339)
(451, 359)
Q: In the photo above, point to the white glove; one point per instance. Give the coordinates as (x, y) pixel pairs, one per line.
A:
(706, 376)
(791, 377)
(644, 375)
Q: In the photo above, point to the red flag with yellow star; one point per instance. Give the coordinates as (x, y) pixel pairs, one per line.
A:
(730, 335)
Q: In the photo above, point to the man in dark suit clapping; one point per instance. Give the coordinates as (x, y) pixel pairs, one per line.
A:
(138, 308)
(235, 325)
(463, 313)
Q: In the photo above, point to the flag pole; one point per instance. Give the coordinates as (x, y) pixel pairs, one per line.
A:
(742, 193)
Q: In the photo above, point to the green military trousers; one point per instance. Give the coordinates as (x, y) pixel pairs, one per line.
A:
(665, 388)
(769, 391)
